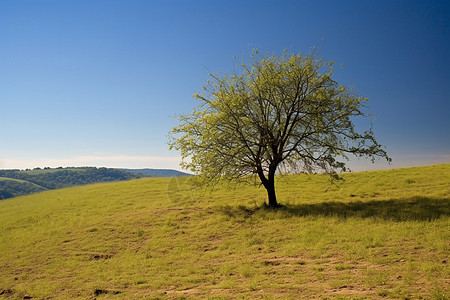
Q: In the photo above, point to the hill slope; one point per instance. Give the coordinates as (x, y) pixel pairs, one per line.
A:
(376, 235)
(10, 188)
(37, 180)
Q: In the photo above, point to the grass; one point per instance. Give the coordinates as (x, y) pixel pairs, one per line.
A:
(375, 235)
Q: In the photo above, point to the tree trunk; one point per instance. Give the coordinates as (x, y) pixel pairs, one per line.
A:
(271, 195)
(269, 184)
(270, 187)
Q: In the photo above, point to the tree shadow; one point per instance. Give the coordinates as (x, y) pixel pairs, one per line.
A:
(411, 209)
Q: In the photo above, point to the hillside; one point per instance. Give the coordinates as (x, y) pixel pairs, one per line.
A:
(10, 188)
(375, 235)
(15, 183)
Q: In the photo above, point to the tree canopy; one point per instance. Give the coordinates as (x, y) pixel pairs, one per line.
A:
(273, 113)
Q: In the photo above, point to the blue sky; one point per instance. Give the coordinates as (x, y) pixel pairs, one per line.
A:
(98, 82)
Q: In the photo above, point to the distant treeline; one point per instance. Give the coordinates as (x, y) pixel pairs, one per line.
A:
(31, 181)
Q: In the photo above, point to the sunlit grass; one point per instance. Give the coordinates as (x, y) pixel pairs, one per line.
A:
(381, 234)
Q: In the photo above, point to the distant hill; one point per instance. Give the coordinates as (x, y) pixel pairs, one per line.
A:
(10, 188)
(158, 172)
(14, 183)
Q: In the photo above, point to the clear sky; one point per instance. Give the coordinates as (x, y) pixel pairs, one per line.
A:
(90, 82)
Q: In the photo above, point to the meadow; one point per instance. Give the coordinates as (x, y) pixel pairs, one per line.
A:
(373, 235)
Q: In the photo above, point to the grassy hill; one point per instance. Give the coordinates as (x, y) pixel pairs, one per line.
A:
(10, 187)
(375, 235)
(15, 183)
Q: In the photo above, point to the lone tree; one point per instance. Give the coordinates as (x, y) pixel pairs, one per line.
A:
(273, 113)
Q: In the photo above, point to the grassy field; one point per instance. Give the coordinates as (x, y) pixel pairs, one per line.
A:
(374, 235)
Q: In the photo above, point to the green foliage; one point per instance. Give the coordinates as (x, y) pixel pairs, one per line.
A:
(274, 112)
(38, 180)
(12, 188)
(132, 240)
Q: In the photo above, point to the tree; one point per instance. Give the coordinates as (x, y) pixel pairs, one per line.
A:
(274, 113)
